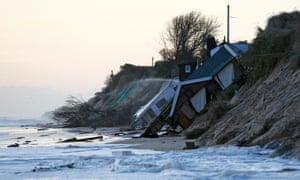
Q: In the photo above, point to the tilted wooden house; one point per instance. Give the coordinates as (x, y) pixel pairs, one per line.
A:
(153, 110)
(181, 101)
(192, 94)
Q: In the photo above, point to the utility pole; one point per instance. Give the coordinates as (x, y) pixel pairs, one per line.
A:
(228, 17)
(152, 61)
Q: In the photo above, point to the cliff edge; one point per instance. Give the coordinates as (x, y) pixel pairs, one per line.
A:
(266, 111)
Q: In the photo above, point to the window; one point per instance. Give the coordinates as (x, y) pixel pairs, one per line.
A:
(161, 103)
(187, 68)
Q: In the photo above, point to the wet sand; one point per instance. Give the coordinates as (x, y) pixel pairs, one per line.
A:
(163, 143)
(21, 136)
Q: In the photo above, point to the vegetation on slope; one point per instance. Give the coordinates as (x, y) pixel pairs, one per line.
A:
(116, 104)
(266, 111)
(279, 40)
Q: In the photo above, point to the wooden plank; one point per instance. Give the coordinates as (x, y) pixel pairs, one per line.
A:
(81, 139)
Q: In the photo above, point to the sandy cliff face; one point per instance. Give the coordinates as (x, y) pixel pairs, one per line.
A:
(268, 113)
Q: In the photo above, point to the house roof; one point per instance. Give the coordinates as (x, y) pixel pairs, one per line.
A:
(211, 67)
(215, 63)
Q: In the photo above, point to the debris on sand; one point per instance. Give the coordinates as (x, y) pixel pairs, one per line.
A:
(14, 145)
(81, 139)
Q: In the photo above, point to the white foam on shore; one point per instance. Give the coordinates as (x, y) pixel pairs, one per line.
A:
(97, 160)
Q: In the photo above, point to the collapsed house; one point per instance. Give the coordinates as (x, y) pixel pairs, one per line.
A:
(157, 107)
(198, 89)
(181, 101)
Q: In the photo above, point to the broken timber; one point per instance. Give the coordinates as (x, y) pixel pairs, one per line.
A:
(157, 124)
(74, 139)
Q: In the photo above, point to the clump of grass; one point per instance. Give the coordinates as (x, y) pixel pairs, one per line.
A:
(295, 62)
(217, 109)
(230, 91)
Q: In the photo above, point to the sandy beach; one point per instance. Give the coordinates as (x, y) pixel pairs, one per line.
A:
(163, 143)
(33, 135)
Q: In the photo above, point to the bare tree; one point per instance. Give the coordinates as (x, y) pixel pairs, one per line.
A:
(186, 36)
(167, 54)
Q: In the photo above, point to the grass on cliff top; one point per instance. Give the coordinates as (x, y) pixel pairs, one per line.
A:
(129, 73)
(279, 40)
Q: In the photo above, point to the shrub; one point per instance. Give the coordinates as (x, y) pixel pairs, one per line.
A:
(295, 62)
(230, 91)
(218, 109)
(265, 53)
(272, 44)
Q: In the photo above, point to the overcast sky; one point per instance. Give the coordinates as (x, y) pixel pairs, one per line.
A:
(73, 45)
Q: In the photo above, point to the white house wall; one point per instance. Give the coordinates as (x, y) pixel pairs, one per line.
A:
(199, 100)
(143, 116)
(226, 76)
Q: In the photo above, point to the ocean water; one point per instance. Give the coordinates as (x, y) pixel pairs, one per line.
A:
(39, 156)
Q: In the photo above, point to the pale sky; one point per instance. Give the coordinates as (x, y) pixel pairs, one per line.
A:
(72, 45)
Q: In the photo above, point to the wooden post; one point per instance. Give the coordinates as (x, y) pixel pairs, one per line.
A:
(228, 16)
